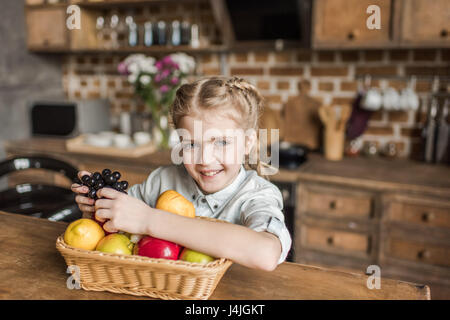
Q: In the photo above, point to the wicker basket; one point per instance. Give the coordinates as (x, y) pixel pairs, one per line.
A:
(143, 276)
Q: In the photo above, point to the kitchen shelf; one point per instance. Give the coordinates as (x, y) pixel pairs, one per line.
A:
(122, 3)
(138, 49)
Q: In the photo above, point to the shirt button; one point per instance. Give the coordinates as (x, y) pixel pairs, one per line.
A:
(216, 206)
(193, 197)
(203, 200)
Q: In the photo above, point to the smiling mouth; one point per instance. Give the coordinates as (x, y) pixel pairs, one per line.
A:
(211, 173)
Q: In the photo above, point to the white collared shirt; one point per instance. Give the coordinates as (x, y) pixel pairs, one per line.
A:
(249, 200)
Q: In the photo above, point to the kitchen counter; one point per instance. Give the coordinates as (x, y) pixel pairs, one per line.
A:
(32, 268)
(375, 173)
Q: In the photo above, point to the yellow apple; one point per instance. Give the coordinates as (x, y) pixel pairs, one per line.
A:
(115, 243)
(195, 256)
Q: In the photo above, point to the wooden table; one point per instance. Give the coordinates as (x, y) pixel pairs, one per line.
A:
(32, 268)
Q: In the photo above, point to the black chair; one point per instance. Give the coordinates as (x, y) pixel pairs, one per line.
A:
(40, 200)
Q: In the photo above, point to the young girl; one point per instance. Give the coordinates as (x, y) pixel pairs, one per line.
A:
(213, 176)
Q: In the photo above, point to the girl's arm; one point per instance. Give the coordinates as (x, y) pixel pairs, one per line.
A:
(240, 244)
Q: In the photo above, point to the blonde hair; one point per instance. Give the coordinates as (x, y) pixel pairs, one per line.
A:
(233, 94)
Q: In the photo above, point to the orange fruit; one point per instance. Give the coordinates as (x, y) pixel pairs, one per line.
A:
(174, 202)
(83, 234)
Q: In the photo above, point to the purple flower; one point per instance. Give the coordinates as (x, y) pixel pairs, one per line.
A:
(157, 78)
(158, 64)
(164, 88)
(174, 80)
(167, 60)
(165, 73)
(122, 68)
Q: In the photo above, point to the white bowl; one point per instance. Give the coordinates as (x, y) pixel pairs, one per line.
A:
(122, 141)
(141, 138)
(98, 140)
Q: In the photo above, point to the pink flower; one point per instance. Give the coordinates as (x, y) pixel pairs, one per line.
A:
(158, 65)
(167, 60)
(164, 88)
(165, 73)
(122, 68)
(157, 77)
(174, 80)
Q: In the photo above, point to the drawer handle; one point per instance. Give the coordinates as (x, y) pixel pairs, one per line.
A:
(330, 241)
(427, 216)
(444, 33)
(351, 35)
(332, 204)
(423, 254)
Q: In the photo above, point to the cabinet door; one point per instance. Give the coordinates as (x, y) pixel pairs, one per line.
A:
(417, 211)
(425, 22)
(46, 28)
(343, 23)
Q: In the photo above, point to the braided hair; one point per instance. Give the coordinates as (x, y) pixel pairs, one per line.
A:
(230, 94)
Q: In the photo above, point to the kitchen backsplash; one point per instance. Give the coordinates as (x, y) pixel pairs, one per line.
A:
(328, 76)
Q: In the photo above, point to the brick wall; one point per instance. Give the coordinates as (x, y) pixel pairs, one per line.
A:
(329, 76)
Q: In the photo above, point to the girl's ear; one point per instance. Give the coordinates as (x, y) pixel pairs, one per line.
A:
(250, 141)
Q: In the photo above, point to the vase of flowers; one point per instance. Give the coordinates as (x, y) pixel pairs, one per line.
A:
(156, 82)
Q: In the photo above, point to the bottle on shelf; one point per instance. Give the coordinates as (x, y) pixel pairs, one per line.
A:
(195, 41)
(114, 32)
(132, 32)
(148, 34)
(121, 33)
(442, 135)
(175, 38)
(185, 33)
(161, 33)
(429, 133)
(99, 26)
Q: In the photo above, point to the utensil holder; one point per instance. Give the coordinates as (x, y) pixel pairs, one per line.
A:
(334, 144)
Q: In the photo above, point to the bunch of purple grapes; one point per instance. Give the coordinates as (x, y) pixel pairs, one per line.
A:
(106, 179)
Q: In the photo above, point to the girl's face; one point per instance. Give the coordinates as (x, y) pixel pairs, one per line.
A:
(214, 149)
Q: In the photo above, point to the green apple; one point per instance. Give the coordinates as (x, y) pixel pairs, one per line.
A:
(195, 256)
(115, 243)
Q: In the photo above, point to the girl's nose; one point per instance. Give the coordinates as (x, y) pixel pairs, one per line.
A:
(207, 155)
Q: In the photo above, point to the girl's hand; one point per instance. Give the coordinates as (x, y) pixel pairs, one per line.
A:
(125, 213)
(85, 204)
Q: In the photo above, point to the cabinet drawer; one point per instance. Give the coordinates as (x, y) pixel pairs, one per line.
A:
(343, 23)
(419, 252)
(426, 22)
(335, 241)
(335, 203)
(431, 213)
(46, 28)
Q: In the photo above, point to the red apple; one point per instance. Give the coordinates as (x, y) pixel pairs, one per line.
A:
(156, 248)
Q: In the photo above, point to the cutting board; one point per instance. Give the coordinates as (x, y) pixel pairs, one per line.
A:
(77, 145)
(271, 119)
(301, 121)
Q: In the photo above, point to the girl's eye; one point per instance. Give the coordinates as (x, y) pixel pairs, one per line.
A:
(189, 146)
(221, 143)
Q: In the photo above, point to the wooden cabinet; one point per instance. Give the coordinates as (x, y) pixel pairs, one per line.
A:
(352, 224)
(342, 24)
(48, 32)
(335, 226)
(46, 28)
(404, 23)
(425, 23)
(415, 238)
